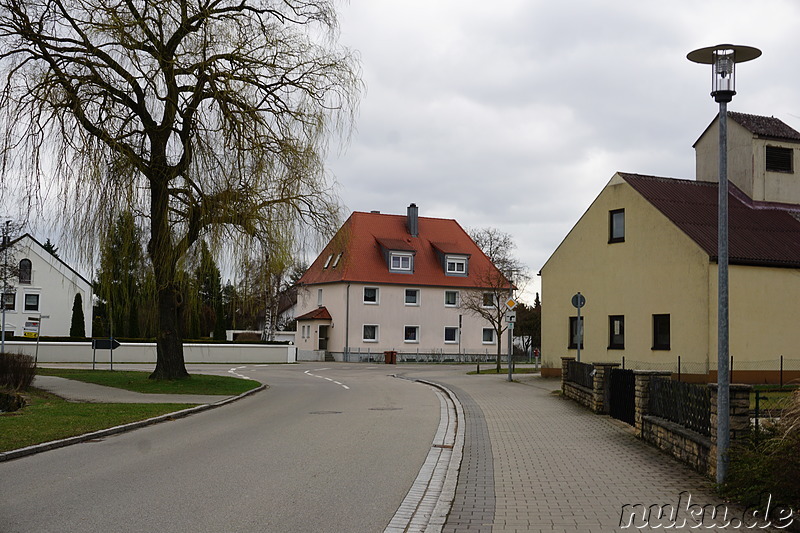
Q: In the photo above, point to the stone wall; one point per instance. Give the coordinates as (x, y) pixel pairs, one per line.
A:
(698, 451)
(596, 398)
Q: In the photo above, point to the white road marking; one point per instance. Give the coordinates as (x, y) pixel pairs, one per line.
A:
(238, 375)
(308, 373)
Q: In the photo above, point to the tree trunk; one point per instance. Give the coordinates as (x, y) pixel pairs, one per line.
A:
(169, 338)
(499, 348)
(169, 341)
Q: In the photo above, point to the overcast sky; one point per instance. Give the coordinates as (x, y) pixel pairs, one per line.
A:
(514, 114)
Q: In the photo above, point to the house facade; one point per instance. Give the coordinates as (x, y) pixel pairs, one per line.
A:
(395, 283)
(644, 257)
(45, 286)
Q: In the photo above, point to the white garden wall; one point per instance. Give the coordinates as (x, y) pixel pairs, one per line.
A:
(81, 352)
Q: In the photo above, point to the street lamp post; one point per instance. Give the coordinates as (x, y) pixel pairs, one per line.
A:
(723, 59)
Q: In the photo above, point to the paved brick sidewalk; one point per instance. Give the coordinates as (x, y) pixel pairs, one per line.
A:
(555, 465)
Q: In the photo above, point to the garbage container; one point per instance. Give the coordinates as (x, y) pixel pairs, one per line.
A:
(390, 357)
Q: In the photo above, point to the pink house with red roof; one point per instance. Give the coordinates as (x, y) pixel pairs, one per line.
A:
(644, 256)
(394, 283)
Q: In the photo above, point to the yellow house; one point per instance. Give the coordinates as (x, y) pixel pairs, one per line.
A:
(644, 257)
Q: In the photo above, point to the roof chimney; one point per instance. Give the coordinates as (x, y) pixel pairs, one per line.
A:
(413, 220)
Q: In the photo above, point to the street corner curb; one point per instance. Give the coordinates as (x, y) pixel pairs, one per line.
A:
(430, 499)
(52, 445)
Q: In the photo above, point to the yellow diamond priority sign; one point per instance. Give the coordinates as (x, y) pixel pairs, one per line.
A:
(511, 303)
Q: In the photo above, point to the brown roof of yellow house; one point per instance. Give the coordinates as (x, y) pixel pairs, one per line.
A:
(760, 233)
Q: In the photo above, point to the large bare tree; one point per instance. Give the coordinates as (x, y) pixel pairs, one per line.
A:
(488, 299)
(201, 116)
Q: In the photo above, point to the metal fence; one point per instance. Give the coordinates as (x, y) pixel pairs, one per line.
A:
(419, 356)
(781, 370)
(580, 373)
(685, 404)
(767, 405)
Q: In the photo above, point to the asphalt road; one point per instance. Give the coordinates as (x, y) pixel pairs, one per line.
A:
(308, 454)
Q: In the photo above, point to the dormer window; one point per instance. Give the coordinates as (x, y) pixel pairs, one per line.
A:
(455, 265)
(401, 262)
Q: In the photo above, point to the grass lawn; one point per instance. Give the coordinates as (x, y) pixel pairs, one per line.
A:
(48, 417)
(138, 381)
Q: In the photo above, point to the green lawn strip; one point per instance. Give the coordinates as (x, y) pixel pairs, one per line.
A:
(48, 417)
(139, 382)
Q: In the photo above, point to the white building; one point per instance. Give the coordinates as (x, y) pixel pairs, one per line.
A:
(46, 286)
(395, 283)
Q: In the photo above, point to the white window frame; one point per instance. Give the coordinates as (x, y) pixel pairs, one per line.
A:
(455, 338)
(458, 297)
(415, 340)
(493, 297)
(377, 296)
(455, 261)
(483, 336)
(336, 261)
(400, 256)
(38, 302)
(13, 298)
(377, 332)
(328, 261)
(415, 303)
(319, 297)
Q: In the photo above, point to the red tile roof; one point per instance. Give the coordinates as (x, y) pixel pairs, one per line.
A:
(320, 313)
(359, 241)
(759, 233)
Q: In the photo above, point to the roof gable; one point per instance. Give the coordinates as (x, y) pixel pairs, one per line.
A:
(760, 233)
(55, 262)
(364, 237)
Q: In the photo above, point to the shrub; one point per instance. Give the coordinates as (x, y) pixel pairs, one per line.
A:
(16, 371)
(769, 463)
(11, 401)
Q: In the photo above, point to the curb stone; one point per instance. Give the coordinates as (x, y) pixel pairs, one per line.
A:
(52, 445)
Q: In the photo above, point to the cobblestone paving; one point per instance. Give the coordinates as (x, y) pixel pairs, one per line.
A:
(558, 467)
(473, 506)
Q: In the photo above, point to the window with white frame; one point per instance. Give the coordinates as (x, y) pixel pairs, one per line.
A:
(370, 333)
(411, 334)
(319, 297)
(31, 302)
(401, 262)
(450, 334)
(489, 299)
(450, 298)
(455, 265)
(412, 297)
(370, 295)
(336, 261)
(488, 335)
(10, 300)
(25, 271)
(328, 261)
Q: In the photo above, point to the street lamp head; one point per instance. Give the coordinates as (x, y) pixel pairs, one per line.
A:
(723, 59)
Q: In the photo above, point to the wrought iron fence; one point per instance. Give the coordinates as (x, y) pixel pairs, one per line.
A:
(685, 404)
(580, 373)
